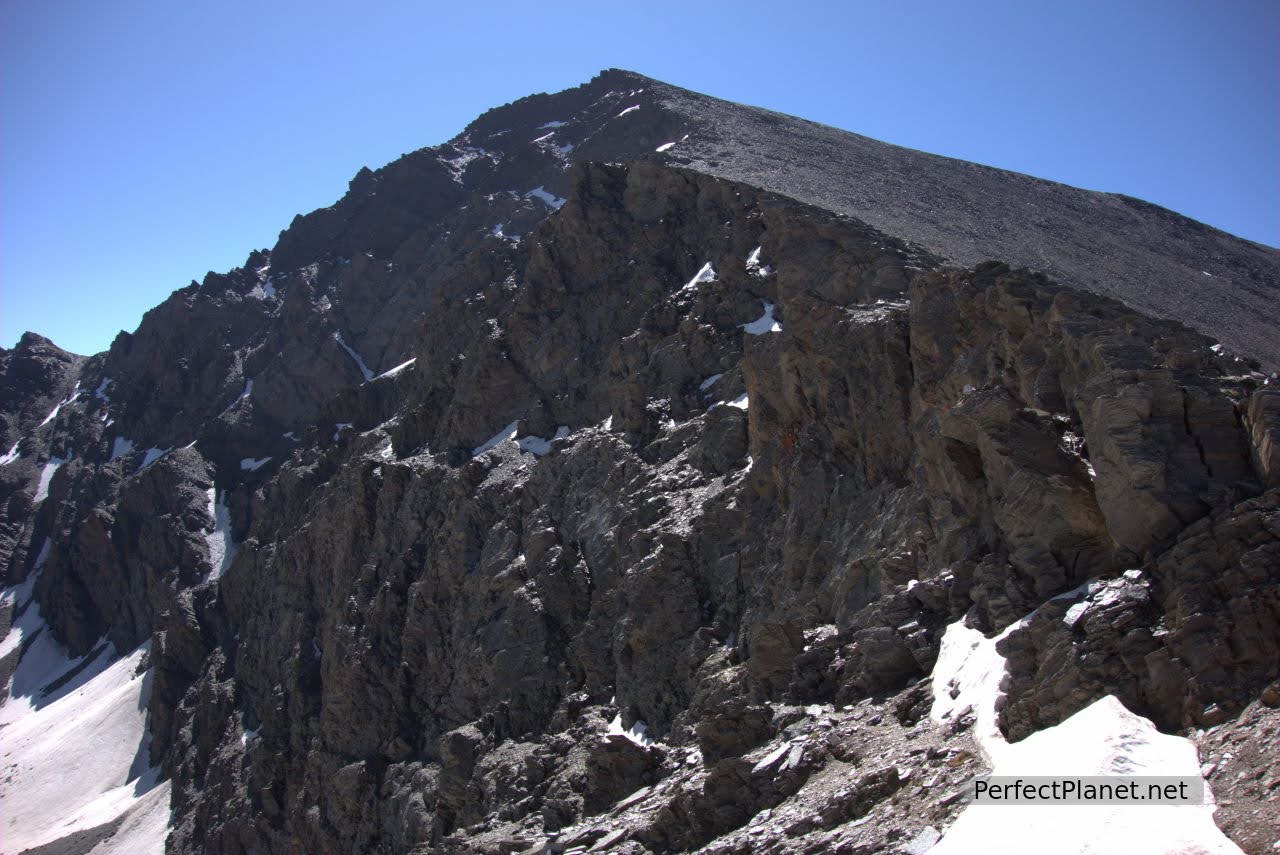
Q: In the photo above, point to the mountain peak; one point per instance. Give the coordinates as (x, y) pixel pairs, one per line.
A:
(645, 473)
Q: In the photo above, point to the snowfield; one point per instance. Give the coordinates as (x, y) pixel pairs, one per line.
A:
(1101, 739)
(75, 747)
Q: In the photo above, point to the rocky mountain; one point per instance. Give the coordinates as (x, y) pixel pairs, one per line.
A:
(639, 472)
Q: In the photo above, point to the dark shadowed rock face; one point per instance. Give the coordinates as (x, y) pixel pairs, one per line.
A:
(36, 377)
(522, 499)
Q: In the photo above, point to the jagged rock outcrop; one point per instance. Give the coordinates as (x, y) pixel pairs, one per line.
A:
(36, 377)
(524, 501)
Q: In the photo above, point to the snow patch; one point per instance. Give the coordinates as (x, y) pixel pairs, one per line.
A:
(339, 428)
(264, 291)
(152, 455)
(709, 382)
(741, 402)
(554, 123)
(630, 109)
(101, 392)
(637, 733)
(538, 446)
(534, 445)
(355, 357)
(667, 146)
(1102, 739)
(763, 324)
(253, 464)
(120, 447)
(222, 548)
(46, 475)
(969, 678)
(549, 199)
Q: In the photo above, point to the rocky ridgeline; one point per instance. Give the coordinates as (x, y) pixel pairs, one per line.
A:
(521, 501)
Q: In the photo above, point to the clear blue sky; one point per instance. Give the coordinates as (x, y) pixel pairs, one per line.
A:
(142, 144)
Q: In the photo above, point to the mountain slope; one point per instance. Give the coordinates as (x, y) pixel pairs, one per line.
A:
(543, 493)
(1153, 259)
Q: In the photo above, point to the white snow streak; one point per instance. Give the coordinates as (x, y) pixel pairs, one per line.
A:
(394, 371)
(630, 109)
(508, 432)
(53, 414)
(709, 382)
(10, 455)
(740, 402)
(706, 273)
(364, 369)
(763, 324)
(754, 267)
(222, 548)
(552, 124)
(667, 146)
(248, 390)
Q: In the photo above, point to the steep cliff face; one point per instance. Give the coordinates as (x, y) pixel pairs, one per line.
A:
(37, 379)
(521, 499)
